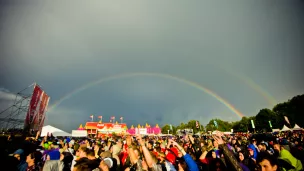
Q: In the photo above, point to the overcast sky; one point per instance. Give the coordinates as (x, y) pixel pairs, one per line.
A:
(63, 46)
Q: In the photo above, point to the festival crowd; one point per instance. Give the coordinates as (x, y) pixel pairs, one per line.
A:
(217, 152)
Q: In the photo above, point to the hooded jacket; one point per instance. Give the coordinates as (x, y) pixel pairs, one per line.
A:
(255, 153)
(287, 156)
(22, 166)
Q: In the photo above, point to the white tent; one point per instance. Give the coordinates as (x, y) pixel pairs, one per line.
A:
(52, 130)
(285, 128)
(297, 128)
(79, 133)
(275, 130)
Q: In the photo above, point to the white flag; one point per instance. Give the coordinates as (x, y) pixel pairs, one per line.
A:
(286, 119)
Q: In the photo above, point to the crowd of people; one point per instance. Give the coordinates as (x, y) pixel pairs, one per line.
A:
(218, 152)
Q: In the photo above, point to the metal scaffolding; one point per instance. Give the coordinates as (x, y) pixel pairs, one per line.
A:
(13, 117)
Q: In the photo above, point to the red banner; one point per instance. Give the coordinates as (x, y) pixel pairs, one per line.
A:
(37, 108)
(42, 110)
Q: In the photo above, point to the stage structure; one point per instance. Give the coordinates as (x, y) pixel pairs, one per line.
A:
(27, 110)
(13, 117)
(37, 108)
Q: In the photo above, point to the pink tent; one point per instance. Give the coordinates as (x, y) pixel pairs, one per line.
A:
(81, 127)
(131, 130)
(150, 130)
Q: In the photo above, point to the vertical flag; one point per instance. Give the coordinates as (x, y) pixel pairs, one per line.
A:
(270, 124)
(92, 117)
(252, 124)
(197, 124)
(100, 117)
(215, 123)
(286, 119)
(112, 119)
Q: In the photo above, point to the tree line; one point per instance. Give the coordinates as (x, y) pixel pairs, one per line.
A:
(264, 121)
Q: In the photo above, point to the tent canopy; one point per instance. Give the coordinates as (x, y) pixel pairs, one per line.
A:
(285, 128)
(52, 130)
(296, 127)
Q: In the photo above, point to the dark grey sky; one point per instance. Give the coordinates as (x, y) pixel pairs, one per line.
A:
(249, 53)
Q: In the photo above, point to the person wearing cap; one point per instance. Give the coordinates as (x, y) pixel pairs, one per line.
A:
(109, 164)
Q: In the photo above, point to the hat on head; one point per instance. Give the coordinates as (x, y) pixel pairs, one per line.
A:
(54, 155)
(46, 146)
(109, 162)
(171, 158)
(19, 151)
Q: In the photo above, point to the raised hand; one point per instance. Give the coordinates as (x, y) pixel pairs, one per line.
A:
(174, 143)
(129, 140)
(218, 137)
(140, 140)
(191, 138)
(144, 165)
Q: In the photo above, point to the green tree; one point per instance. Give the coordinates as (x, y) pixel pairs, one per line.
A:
(262, 120)
(242, 125)
(167, 127)
(192, 125)
(221, 125)
(293, 109)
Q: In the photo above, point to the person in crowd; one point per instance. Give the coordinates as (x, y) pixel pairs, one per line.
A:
(245, 162)
(19, 154)
(267, 162)
(33, 161)
(285, 156)
(53, 162)
(217, 152)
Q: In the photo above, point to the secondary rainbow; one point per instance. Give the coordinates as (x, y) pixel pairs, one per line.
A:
(167, 76)
(252, 84)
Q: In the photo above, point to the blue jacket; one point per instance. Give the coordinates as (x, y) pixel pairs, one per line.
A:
(192, 166)
(22, 166)
(255, 153)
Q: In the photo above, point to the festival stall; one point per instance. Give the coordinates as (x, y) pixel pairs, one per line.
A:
(297, 128)
(101, 129)
(275, 130)
(285, 128)
(80, 132)
(144, 130)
